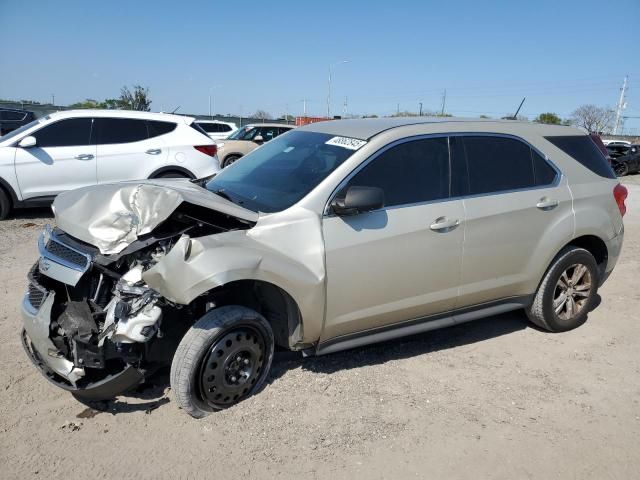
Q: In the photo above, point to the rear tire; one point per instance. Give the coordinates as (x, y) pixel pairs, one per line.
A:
(567, 292)
(224, 358)
(621, 169)
(5, 205)
(230, 159)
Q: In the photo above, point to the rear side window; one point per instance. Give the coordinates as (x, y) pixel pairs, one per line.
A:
(497, 164)
(8, 115)
(120, 130)
(157, 127)
(582, 149)
(65, 133)
(223, 127)
(197, 127)
(412, 172)
(488, 164)
(543, 172)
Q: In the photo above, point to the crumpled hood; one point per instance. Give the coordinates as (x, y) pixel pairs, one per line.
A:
(112, 216)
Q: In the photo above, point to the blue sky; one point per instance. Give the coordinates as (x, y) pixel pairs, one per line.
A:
(272, 55)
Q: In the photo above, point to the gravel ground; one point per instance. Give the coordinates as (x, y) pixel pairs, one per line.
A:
(491, 399)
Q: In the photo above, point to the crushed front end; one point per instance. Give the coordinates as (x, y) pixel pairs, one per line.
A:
(91, 325)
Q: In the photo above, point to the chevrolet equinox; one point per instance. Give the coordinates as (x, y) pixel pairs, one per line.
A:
(331, 236)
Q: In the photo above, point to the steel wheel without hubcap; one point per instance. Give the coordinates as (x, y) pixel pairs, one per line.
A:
(232, 367)
(572, 292)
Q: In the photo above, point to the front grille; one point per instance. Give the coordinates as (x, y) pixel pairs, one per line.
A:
(36, 293)
(66, 253)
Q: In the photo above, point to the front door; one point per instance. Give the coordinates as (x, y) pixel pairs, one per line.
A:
(401, 262)
(62, 159)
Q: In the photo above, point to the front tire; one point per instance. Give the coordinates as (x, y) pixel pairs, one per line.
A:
(224, 358)
(567, 292)
(5, 205)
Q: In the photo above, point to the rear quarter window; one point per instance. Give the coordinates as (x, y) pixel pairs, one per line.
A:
(584, 151)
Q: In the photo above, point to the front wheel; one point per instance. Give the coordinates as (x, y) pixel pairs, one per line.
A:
(567, 292)
(223, 358)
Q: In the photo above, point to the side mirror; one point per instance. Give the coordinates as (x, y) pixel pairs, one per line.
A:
(358, 200)
(258, 139)
(27, 142)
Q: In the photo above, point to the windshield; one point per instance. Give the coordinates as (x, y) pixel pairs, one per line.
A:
(245, 133)
(23, 128)
(281, 172)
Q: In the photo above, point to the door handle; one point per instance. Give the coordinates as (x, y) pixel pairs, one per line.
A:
(154, 151)
(84, 156)
(441, 224)
(547, 203)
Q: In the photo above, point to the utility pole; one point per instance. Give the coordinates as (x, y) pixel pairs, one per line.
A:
(398, 109)
(621, 106)
(344, 110)
(304, 107)
(53, 99)
(444, 101)
(420, 108)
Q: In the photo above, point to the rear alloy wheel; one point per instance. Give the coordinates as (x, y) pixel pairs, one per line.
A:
(572, 291)
(230, 159)
(567, 293)
(224, 358)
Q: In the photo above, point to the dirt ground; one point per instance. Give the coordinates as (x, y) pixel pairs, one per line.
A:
(491, 399)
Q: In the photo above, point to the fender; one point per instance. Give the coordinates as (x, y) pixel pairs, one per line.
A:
(289, 255)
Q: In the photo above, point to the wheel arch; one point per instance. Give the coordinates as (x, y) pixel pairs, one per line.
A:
(594, 245)
(270, 300)
(8, 189)
(171, 169)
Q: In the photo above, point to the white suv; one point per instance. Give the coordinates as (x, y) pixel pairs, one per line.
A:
(77, 148)
(216, 129)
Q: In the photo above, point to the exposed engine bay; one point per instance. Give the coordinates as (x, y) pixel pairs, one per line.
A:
(104, 319)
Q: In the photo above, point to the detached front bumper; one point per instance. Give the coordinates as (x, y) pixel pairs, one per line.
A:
(36, 309)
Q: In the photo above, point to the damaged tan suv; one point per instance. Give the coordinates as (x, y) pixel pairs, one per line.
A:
(333, 236)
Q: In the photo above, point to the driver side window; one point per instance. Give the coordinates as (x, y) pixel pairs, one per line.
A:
(412, 172)
(65, 133)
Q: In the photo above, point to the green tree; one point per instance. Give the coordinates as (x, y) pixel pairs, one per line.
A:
(136, 100)
(550, 118)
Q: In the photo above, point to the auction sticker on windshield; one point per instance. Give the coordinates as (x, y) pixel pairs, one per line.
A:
(346, 142)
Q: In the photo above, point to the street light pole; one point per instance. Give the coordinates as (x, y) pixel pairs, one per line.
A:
(329, 86)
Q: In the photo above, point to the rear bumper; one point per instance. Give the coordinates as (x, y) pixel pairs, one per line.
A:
(614, 247)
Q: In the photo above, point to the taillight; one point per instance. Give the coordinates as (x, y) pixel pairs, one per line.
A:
(210, 150)
(620, 193)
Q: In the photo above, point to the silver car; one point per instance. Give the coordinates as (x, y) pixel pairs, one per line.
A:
(332, 236)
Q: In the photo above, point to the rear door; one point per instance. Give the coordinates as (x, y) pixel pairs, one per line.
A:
(518, 209)
(129, 149)
(62, 159)
(401, 262)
